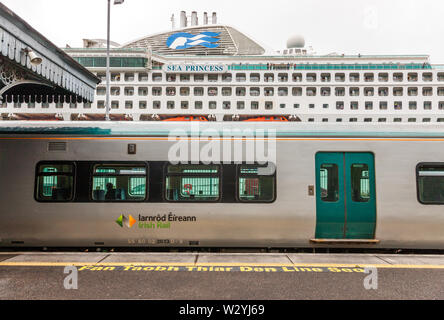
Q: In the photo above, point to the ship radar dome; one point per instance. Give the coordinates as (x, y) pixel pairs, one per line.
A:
(296, 41)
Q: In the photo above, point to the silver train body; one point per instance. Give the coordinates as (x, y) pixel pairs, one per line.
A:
(289, 221)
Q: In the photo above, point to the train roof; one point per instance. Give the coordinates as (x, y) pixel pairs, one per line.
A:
(239, 129)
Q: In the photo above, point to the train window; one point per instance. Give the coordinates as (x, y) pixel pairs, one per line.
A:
(360, 183)
(193, 183)
(430, 182)
(256, 183)
(329, 182)
(115, 183)
(55, 182)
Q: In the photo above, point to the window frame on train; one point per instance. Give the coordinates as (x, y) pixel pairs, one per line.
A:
(240, 175)
(111, 164)
(420, 196)
(39, 174)
(167, 174)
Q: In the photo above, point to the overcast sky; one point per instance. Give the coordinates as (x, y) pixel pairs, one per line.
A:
(343, 26)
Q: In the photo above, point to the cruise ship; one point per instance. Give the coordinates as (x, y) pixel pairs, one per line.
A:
(214, 72)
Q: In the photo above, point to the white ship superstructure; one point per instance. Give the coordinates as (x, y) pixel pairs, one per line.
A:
(214, 72)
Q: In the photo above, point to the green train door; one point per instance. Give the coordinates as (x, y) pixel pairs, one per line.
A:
(345, 195)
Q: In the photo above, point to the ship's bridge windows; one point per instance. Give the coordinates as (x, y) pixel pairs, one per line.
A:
(157, 91)
(311, 77)
(398, 105)
(213, 78)
(383, 92)
(156, 104)
(297, 77)
(227, 91)
(268, 105)
(311, 91)
(129, 77)
(255, 92)
(227, 77)
(143, 77)
(55, 182)
(369, 77)
(325, 77)
(240, 105)
(269, 77)
(114, 104)
(171, 78)
(283, 77)
(283, 92)
(441, 76)
(254, 105)
(368, 105)
(440, 91)
(427, 105)
(101, 91)
(128, 91)
(383, 105)
(339, 105)
(412, 105)
(143, 91)
(241, 77)
(128, 104)
(185, 91)
(115, 77)
(397, 91)
(171, 91)
(340, 91)
(184, 105)
(198, 105)
(412, 91)
(170, 104)
(212, 91)
(427, 77)
(354, 77)
(115, 91)
(100, 104)
(339, 77)
(369, 92)
(157, 77)
(226, 105)
(255, 77)
(354, 91)
(269, 92)
(185, 78)
(198, 91)
(412, 77)
(143, 104)
(198, 78)
(427, 91)
(383, 77)
(241, 92)
(212, 105)
(398, 77)
(325, 92)
(297, 91)
(354, 105)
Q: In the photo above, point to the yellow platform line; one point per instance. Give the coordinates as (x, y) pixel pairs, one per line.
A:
(212, 264)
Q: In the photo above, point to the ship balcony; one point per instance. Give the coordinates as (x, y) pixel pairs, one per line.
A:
(157, 92)
(184, 105)
(268, 92)
(412, 77)
(226, 92)
(269, 77)
(369, 105)
(325, 77)
(383, 92)
(129, 77)
(412, 92)
(369, 92)
(199, 78)
(255, 92)
(214, 78)
(297, 77)
(427, 105)
(255, 77)
(397, 92)
(354, 105)
(311, 77)
(428, 92)
(339, 77)
(427, 77)
(185, 78)
(157, 77)
(297, 92)
(227, 78)
(398, 105)
(241, 92)
(171, 91)
(212, 91)
(325, 92)
(143, 77)
(226, 105)
(412, 105)
(171, 78)
(369, 77)
(128, 91)
(282, 92)
(398, 77)
(441, 105)
(440, 76)
(354, 92)
(440, 91)
(340, 105)
(142, 91)
(383, 77)
(184, 91)
(354, 77)
(240, 105)
(282, 77)
(383, 105)
(115, 91)
(198, 92)
(311, 92)
(115, 77)
(241, 77)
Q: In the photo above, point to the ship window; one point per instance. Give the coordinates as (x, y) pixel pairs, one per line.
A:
(198, 91)
(369, 77)
(170, 104)
(412, 77)
(212, 105)
(383, 105)
(397, 77)
(340, 77)
(254, 105)
(240, 105)
(100, 104)
(198, 105)
(226, 105)
(441, 105)
(268, 105)
(129, 77)
(368, 105)
(226, 91)
(427, 91)
(157, 91)
(283, 77)
(213, 78)
(115, 183)
(255, 77)
(198, 77)
(412, 105)
(354, 77)
(156, 104)
(269, 77)
(192, 183)
(311, 91)
(55, 182)
(383, 77)
(157, 77)
(212, 91)
(241, 77)
(115, 77)
(340, 105)
(256, 183)
(382, 120)
(398, 105)
(171, 91)
(297, 77)
(427, 105)
(296, 105)
(427, 76)
(354, 105)
(397, 92)
(325, 77)
(143, 91)
(369, 92)
(382, 92)
(297, 91)
(228, 77)
(240, 92)
(353, 120)
(129, 91)
(311, 77)
(354, 92)
(283, 92)
(430, 183)
(128, 104)
(101, 91)
(339, 92)
(426, 119)
(114, 104)
(441, 76)
(397, 120)
(255, 92)
(325, 92)
(142, 104)
(171, 77)
(185, 78)
(440, 91)
(412, 92)
(269, 92)
(143, 77)
(184, 104)
(184, 91)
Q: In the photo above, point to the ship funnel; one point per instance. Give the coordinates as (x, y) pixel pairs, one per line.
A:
(205, 19)
(194, 18)
(214, 19)
(183, 19)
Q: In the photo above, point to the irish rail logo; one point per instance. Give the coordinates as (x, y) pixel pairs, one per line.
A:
(123, 220)
(183, 40)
